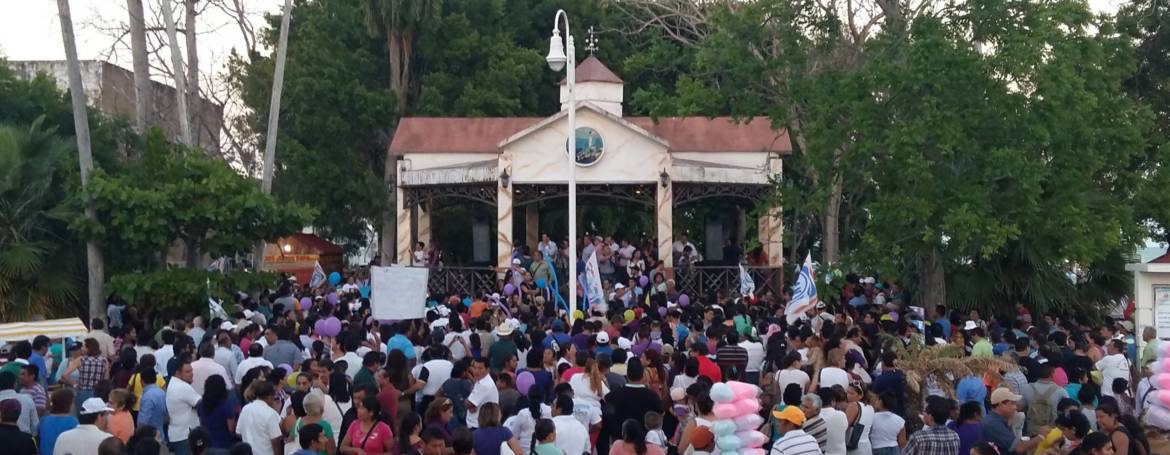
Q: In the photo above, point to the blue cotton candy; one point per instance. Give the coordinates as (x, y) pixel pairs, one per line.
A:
(724, 428)
(728, 443)
(721, 393)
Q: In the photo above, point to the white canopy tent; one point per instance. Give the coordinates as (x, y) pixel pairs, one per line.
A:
(57, 328)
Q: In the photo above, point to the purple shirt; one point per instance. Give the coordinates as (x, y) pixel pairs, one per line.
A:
(968, 435)
(487, 440)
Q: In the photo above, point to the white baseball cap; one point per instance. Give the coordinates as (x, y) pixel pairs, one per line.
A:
(625, 343)
(94, 406)
(602, 338)
(970, 325)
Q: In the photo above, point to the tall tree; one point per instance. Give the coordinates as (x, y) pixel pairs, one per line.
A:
(93, 255)
(195, 119)
(274, 117)
(177, 68)
(399, 22)
(142, 88)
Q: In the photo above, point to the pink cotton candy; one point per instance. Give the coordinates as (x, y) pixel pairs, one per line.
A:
(752, 438)
(753, 451)
(726, 411)
(744, 390)
(748, 422)
(1164, 397)
(1163, 381)
(747, 406)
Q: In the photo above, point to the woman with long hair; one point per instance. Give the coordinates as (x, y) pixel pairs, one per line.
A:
(410, 435)
(1096, 444)
(312, 407)
(699, 397)
(368, 435)
(590, 384)
(125, 367)
(120, 423)
(91, 367)
(439, 415)
(655, 373)
(218, 412)
(968, 425)
(633, 441)
(523, 424)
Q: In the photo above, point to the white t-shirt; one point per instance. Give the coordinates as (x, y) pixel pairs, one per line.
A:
(523, 425)
(755, 355)
(258, 426)
(836, 423)
(181, 401)
(1112, 366)
(583, 391)
(483, 391)
(438, 372)
(458, 352)
(831, 376)
(792, 376)
(572, 437)
(248, 364)
(586, 412)
(82, 439)
(886, 426)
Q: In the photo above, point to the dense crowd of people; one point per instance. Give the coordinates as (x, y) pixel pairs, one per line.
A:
(290, 372)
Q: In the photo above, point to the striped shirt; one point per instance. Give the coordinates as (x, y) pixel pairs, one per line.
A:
(796, 442)
(37, 393)
(817, 428)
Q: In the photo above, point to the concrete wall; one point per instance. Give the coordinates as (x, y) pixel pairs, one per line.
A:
(606, 95)
(110, 88)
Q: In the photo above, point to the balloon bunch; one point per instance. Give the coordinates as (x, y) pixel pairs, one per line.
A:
(328, 327)
(737, 409)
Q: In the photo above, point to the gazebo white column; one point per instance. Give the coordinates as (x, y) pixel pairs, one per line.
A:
(404, 227)
(771, 224)
(664, 213)
(504, 215)
(424, 225)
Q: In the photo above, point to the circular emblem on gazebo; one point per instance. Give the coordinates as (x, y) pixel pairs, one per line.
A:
(589, 146)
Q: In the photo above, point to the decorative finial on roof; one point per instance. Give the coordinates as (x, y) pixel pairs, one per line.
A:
(591, 42)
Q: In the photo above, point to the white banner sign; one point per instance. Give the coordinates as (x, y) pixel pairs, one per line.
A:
(398, 292)
(1162, 311)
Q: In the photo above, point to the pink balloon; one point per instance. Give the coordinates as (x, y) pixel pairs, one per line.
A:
(1163, 381)
(524, 381)
(684, 300)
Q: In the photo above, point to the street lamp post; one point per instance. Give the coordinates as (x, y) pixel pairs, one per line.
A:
(565, 57)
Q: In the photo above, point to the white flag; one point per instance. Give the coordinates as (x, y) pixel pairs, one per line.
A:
(594, 294)
(318, 276)
(747, 286)
(217, 310)
(216, 265)
(804, 292)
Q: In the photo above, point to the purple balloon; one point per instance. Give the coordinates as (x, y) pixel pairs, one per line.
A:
(329, 327)
(524, 381)
(306, 303)
(643, 281)
(509, 289)
(684, 300)
(284, 366)
(320, 327)
(662, 311)
(332, 298)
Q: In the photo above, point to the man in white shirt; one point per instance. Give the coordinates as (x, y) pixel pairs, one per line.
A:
(259, 424)
(432, 374)
(547, 247)
(197, 331)
(181, 401)
(207, 367)
(1113, 366)
(572, 436)
(483, 390)
(458, 340)
(224, 355)
(88, 435)
(163, 355)
(255, 359)
(29, 419)
(353, 359)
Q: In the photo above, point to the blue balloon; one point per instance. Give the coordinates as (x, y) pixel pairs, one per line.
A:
(540, 283)
(467, 302)
(334, 278)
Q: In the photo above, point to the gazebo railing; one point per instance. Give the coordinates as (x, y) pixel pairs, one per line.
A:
(698, 281)
(447, 280)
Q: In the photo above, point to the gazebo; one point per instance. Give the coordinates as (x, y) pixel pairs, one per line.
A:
(519, 162)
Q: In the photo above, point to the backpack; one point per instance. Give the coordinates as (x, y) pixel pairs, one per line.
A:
(1041, 411)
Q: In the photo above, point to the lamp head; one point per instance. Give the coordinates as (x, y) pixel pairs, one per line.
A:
(556, 51)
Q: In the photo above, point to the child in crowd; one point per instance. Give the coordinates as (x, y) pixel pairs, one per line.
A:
(654, 433)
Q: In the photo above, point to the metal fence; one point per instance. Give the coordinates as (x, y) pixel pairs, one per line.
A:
(449, 280)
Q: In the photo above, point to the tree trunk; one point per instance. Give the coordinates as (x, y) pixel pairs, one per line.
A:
(274, 118)
(142, 86)
(830, 223)
(934, 284)
(194, 255)
(193, 119)
(177, 68)
(394, 45)
(96, 272)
